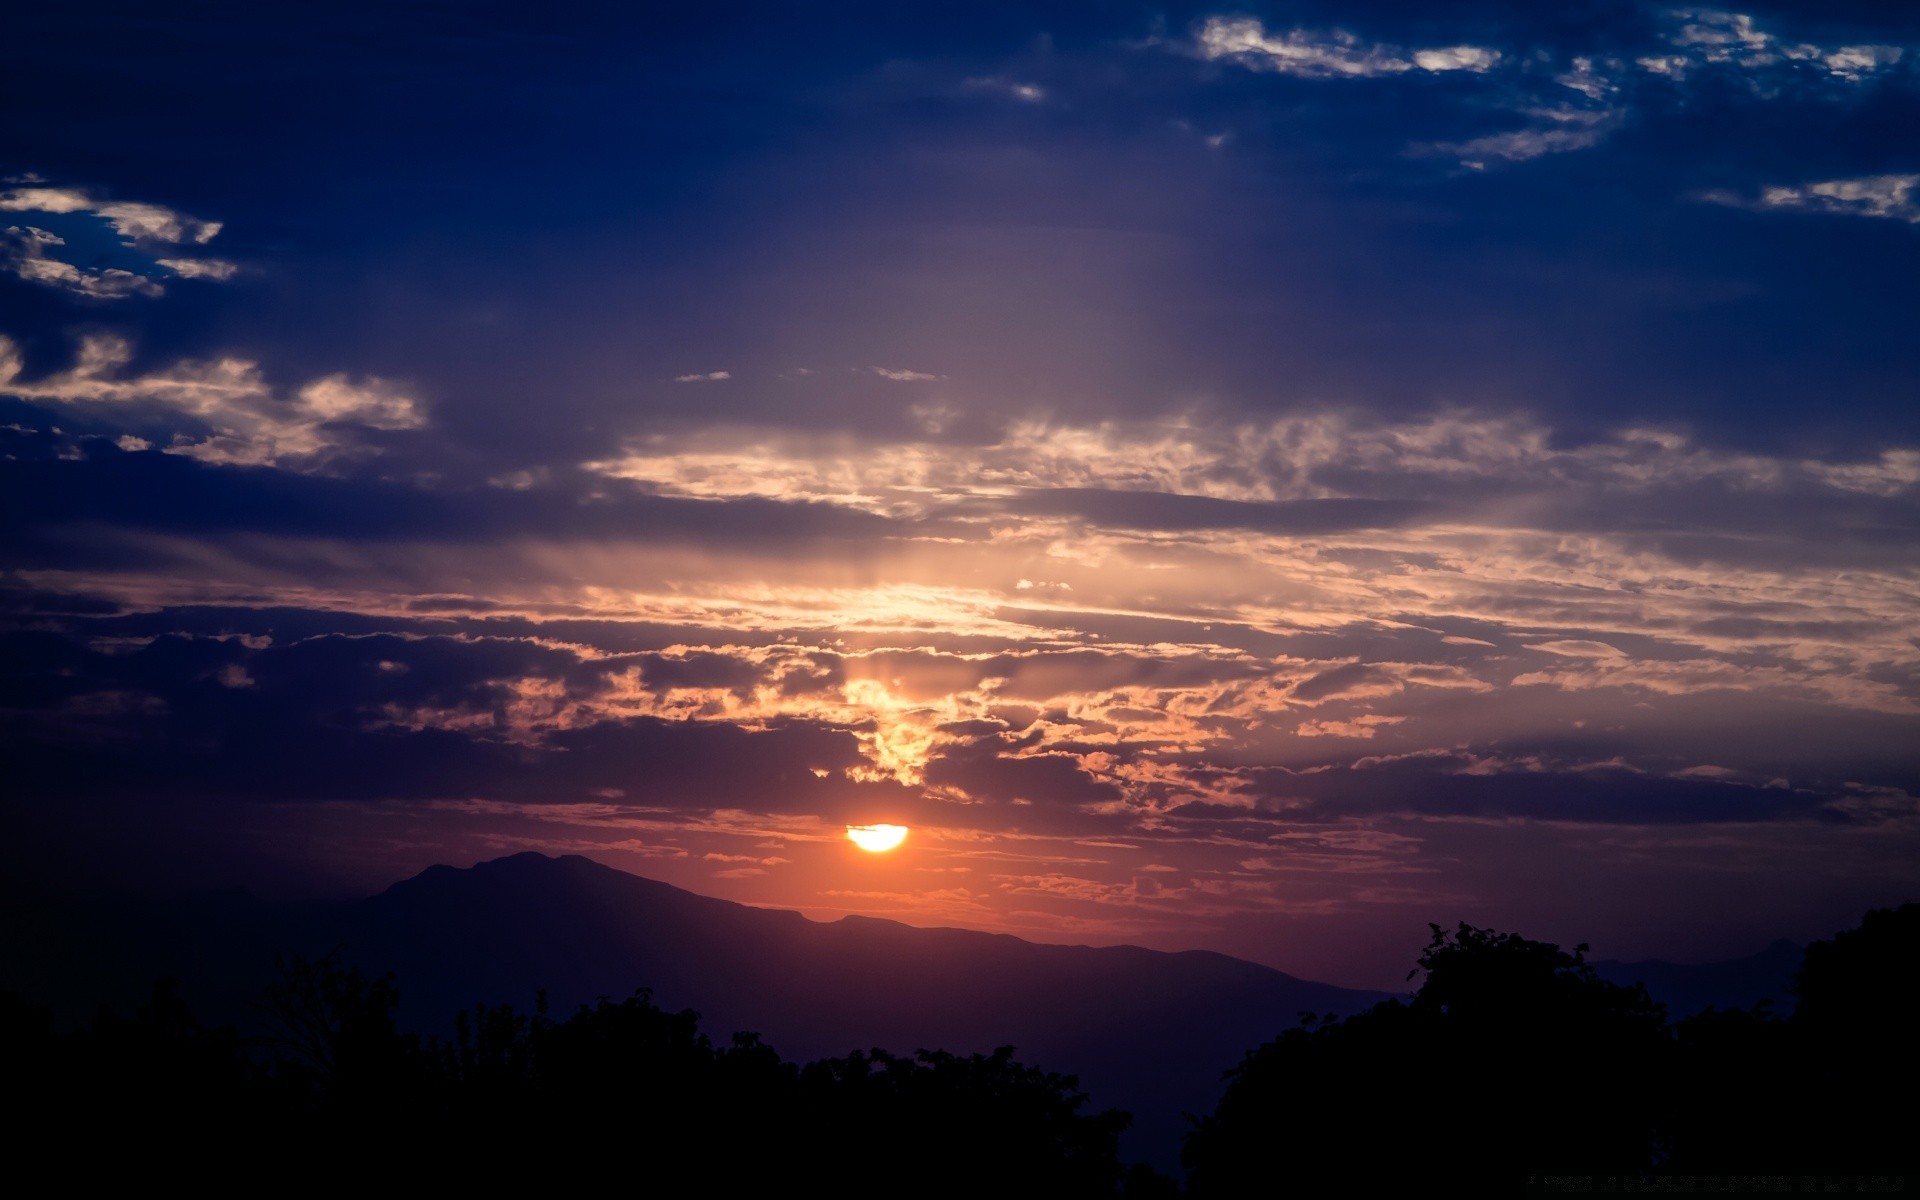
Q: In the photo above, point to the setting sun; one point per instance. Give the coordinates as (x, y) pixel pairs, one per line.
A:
(876, 838)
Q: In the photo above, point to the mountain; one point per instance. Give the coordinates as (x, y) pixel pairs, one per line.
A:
(1689, 988)
(1147, 1031)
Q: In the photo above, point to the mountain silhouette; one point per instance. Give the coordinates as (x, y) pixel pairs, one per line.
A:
(1146, 1031)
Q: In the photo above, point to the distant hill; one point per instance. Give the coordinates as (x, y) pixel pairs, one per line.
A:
(1147, 1031)
(1689, 988)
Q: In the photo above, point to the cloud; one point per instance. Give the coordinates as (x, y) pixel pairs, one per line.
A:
(221, 411)
(1226, 597)
(1457, 58)
(200, 268)
(1310, 472)
(1359, 727)
(1583, 78)
(1714, 37)
(1157, 510)
(1885, 196)
(145, 232)
(1689, 41)
(1577, 649)
(1856, 63)
(1335, 54)
(1569, 130)
(709, 377)
(28, 253)
(1342, 55)
(134, 222)
(1455, 784)
(1012, 89)
(903, 376)
(1352, 679)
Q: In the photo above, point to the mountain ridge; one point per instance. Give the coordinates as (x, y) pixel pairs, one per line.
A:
(1149, 1031)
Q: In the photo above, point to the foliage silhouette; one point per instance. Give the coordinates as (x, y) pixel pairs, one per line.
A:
(1512, 1058)
(619, 1088)
(983, 1122)
(1829, 1089)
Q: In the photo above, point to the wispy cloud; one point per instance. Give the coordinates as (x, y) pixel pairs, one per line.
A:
(1892, 197)
(1330, 54)
(1611, 88)
(220, 411)
(1012, 89)
(707, 377)
(1310, 457)
(135, 222)
(33, 255)
(1584, 77)
(200, 268)
(147, 234)
(1719, 38)
(1562, 130)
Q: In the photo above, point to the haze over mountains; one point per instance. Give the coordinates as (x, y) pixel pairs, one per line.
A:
(1146, 1031)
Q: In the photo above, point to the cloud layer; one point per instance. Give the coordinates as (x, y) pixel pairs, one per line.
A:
(1260, 482)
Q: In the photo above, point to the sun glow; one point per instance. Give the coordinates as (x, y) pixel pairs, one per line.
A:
(876, 839)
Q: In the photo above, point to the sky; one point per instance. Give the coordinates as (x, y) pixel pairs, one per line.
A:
(1255, 478)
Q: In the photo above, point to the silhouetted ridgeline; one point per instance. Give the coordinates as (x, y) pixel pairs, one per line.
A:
(1144, 1031)
(1512, 1058)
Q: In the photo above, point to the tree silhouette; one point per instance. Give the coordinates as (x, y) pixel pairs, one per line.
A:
(1738, 1099)
(1513, 1058)
(1809, 1093)
(950, 1125)
(156, 1090)
(1860, 1044)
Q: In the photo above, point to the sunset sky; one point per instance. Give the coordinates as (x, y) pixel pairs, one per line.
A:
(1258, 478)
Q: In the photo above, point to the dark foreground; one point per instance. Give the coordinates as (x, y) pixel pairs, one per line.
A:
(1513, 1068)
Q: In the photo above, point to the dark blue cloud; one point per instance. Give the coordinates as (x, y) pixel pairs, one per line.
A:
(570, 205)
